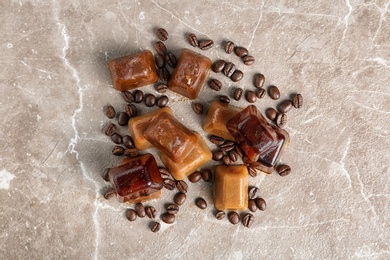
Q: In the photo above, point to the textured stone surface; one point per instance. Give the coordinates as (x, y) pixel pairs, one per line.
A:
(54, 81)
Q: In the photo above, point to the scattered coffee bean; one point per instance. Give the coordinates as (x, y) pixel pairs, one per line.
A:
(233, 217)
(220, 214)
(182, 186)
(281, 120)
(197, 108)
(150, 100)
(110, 129)
(195, 176)
(238, 94)
(128, 96)
(160, 47)
(201, 203)
(261, 204)
(162, 88)
(169, 184)
(228, 143)
(109, 111)
(155, 227)
(206, 44)
(226, 160)
(215, 84)
(170, 59)
(227, 146)
(217, 155)
(224, 99)
(233, 155)
(285, 106)
(216, 140)
(138, 96)
(237, 75)
(151, 212)
(118, 150)
(180, 198)
(159, 60)
(193, 40)
(131, 110)
(168, 218)
(253, 192)
(127, 140)
(162, 34)
(252, 172)
(116, 138)
(259, 80)
(252, 205)
(140, 209)
(131, 152)
(163, 74)
(274, 92)
(261, 93)
(162, 101)
(109, 194)
(247, 220)
(229, 47)
(238, 150)
(123, 119)
(248, 60)
(297, 100)
(165, 174)
(105, 175)
(241, 51)
(229, 69)
(131, 215)
(283, 169)
(206, 175)
(218, 66)
(271, 113)
(251, 96)
(172, 208)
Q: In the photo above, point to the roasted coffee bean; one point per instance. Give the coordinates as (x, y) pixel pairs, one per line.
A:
(116, 138)
(216, 140)
(170, 59)
(172, 208)
(229, 47)
(283, 169)
(131, 110)
(118, 150)
(215, 84)
(197, 108)
(169, 184)
(238, 93)
(150, 100)
(165, 174)
(182, 186)
(253, 192)
(201, 203)
(248, 60)
(109, 194)
(159, 60)
(226, 160)
(138, 96)
(155, 227)
(281, 120)
(131, 152)
(237, 75)
(180, 198)
(193, 40)
(285, 106)
(195, 176)
(252, 205)
(251, 96)
(206, 44)
(140, 209)
(247, 220)
(217, 156)
(162, 101)
(261, 204)
(241, 51)
(238, 150)
(261, 93)
(163, 74)
(151, 212)
(297, 100)
(233, 155)
(220, 215)
(109, 111)
(168, 218)
(227, 148)
(128, 96)
(228, 143)
(271, 113)
(131, 215)
(224, 99)
(105, 175)
(160, 47)
(162, 88)
(162, 34)
(259, 80)
(218, 66)
(274, 92)
(233, 217)
(127, 140)
(206, 175)
(123, 119)
(110, 129)
(229, 69)
(252, 172)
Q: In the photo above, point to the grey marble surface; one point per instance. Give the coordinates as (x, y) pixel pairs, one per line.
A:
(54, 82)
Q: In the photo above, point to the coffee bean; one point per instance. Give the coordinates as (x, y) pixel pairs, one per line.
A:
(138, 96)
(169, 184)
(233, 155)
(109, 194)
(261, 204)
(110, 129)
(253, 192)
(259, 80)
(162, 88)
(123, 119)
(229, 47)
(128, 96)
(238, 150)
(201, 203)
(248, 60)
(131, 215)
(168, 218)
(180, 198)
(271, 113)
(285, 106)
(206, 175)
(160, 47)
(216, 140)
(127, 140)
(151, 212)
(215, 84)
(226, 160)
(193, 40)
(162, 34)
(118, 150)
(224, 99)
(155, 227)
(150, 100)
(297, 100)
(182, 186)
(247, 220)
(109, 111)
(105, 175)
(261, 93)
(251, 96)
(238, 94)
(252, 172)
(233, 217)
(283, 169)
(131, 110)
(241, 51)
(218, 66)
(116, 138)
(252, 205)
(237, 75)
(131, 152)
(228, 143)
(163, 74)
(229, 69)
(165, 174)
(197, 108)
(281, 120)
(170, 59)
(226, 147)
(206, 44)
(140, 209)
(274, 92)
(159, 60)
(162, 101)
(217, 156)
(172, 208)
(195, 176)
(220, 214)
